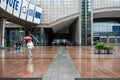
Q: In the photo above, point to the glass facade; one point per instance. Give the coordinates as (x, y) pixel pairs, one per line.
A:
(13, 35)
(56, 9)
(103, 31)
(106, 29)
(104, 26)
(86, 22)
(105, 3)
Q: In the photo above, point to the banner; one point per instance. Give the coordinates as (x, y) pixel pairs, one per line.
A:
(3, 4)
(24, 8)
(10, 5)
(17, 7)
(37, 15)
(31, 12)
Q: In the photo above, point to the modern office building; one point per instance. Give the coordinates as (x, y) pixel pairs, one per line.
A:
(79, 22)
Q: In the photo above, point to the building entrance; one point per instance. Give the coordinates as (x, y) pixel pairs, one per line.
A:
(11, 36)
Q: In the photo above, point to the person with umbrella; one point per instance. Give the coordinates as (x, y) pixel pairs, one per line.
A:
(30, 46)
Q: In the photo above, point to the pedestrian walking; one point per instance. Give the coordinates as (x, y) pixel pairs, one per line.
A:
(17, 45)
(29, 48)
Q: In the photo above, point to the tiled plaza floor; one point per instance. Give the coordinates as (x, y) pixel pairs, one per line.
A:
(14, 64)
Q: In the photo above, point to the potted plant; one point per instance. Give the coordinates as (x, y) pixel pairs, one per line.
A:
(111, 49)
(96, 50)
(106, 48)
(99, 48)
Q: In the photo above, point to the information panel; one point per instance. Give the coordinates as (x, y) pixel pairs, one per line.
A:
(3, 4)
(24, 8)
(17, 6)
(116, 28)
(37, 15)
(31, 11)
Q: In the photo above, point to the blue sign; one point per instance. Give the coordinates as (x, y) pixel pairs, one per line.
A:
(13, 3)
(116, 28)
(37, 15)
(30, 12)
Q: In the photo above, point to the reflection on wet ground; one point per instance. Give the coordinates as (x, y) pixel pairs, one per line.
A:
(15, 64)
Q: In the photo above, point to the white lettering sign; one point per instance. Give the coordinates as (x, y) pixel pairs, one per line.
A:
(17, 8)
(12, 4)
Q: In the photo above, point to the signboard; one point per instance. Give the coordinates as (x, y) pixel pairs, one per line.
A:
(116, 28)
(24, 8)
(3, 4)
(17, 6)
(37, 15)
(31, 12)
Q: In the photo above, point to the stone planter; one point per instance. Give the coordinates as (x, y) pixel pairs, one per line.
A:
(110, 51)
(106, 51)
(103, 51)
(96, 51)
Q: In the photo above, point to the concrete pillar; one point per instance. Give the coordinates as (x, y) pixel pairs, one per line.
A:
(42, 37)
(2, 30)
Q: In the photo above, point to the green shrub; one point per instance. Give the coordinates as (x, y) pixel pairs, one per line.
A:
(99, 46)
(111, 46)
(107, 47)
